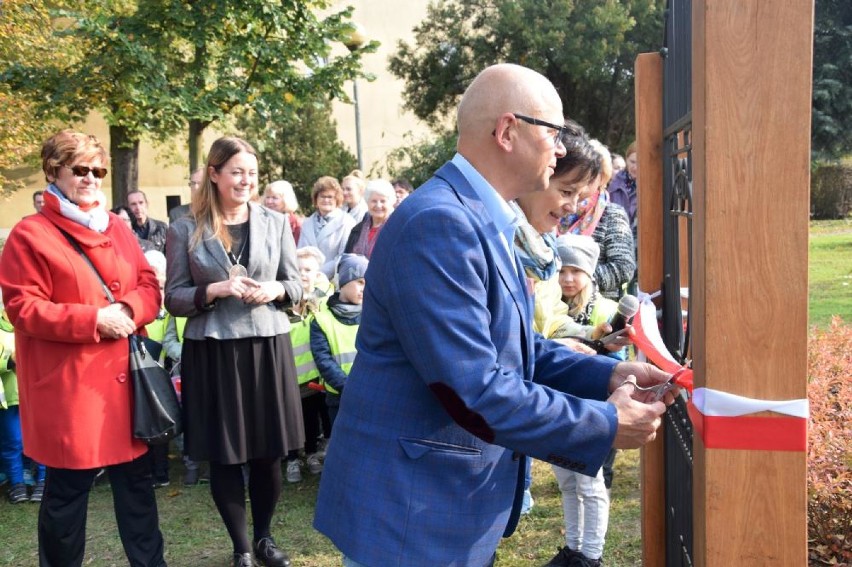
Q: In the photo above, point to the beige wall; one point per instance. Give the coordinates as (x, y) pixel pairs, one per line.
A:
(383, 123)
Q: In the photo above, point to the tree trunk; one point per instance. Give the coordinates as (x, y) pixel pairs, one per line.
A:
(196, 129)
(124, 149)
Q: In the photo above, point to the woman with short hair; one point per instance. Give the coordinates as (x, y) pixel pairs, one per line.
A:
(73, 355)
(328, 227)
(607, 223)
(380, 197)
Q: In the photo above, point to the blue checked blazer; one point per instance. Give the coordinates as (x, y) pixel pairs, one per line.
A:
(449, 391)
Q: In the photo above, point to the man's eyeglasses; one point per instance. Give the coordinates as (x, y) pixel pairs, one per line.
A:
(558, 130)
(83, 171)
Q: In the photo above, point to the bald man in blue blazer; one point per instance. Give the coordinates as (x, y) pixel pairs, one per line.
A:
(451, 390)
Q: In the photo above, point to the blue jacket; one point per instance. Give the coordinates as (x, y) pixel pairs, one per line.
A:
(450, 388)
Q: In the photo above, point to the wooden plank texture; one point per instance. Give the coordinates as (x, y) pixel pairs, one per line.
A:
(751, 110)
(649, 138)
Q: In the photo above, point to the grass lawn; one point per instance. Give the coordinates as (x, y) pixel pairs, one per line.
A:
(830, 271)
(195, 536)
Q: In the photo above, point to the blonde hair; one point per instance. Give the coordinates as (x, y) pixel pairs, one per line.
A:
(357, 176)
(311, 252)
(578, 303)
(288, 195)
(206, 207)
(606, 162)
(68, 146)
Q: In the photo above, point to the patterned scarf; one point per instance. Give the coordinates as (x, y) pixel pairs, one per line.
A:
(96, 218)
(537, 252)
(587, 217)
(364, 244)
(584, 317)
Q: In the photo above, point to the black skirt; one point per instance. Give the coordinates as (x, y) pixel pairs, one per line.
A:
(240, 399)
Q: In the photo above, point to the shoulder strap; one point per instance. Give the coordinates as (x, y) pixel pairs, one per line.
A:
(110, 297)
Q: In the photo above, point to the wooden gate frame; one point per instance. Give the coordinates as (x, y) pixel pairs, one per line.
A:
(751, 177)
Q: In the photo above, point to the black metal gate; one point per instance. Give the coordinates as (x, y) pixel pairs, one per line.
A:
(677, 229)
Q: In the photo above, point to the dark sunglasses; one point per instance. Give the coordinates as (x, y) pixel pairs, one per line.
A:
(83, 171)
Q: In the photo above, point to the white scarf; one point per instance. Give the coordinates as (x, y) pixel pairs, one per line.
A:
(95, 218)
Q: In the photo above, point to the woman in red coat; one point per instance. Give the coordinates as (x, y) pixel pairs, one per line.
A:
(73, 366)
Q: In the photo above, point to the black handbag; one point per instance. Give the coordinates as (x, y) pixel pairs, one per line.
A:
(156, 409)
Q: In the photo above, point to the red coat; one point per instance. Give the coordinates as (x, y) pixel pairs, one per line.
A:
(75, 390)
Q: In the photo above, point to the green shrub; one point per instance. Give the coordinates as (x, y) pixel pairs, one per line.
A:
(830, 445)
(831, 191)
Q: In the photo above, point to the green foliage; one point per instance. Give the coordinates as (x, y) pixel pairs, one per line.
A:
(299, 145)
(831, 135)
(24, 34)
(586, 49)
(831, 191)
(829, 443)
(152, 67)
(418, 160)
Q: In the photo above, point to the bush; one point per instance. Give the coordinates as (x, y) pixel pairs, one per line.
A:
(831, 191)
(829, 443)
(418, 160)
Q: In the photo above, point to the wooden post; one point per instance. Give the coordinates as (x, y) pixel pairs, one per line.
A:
(649, 139)
(751, 117)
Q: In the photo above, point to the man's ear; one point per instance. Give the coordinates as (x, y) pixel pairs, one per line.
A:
(504, 131)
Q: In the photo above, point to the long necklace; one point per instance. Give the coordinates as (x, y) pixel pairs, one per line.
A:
(238, 270)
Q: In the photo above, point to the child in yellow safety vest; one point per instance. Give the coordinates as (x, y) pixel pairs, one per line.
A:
(316, 288)
(13, 464)
(334, 328)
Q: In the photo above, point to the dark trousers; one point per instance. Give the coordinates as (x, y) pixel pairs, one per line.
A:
(312, 408)
(608, 465)
(159, 455)
(62, 516)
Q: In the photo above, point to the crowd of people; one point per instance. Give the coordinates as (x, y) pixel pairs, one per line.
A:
(438, 337)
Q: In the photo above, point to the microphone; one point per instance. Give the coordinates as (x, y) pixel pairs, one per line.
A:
(628, 306)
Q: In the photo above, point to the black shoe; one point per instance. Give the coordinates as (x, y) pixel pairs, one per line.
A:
(38, 492)
(268, 554)
(242, 560)
(580, 560)
(161, 482)
(565, 557)
(18, 493)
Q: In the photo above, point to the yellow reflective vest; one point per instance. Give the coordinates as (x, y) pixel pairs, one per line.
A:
(300, 337)
(341, 341)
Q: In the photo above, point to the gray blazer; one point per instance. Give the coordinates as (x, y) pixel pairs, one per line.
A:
(272, 256)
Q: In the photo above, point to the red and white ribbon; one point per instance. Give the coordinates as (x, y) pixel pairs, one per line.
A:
(724, 420)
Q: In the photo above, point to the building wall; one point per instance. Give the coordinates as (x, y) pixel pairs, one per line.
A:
(164, 172)
(384, 123)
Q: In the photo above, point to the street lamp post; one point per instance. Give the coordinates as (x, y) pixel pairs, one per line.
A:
(354, 42)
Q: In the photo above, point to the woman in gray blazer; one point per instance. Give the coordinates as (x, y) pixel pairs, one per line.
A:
(232, 271)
